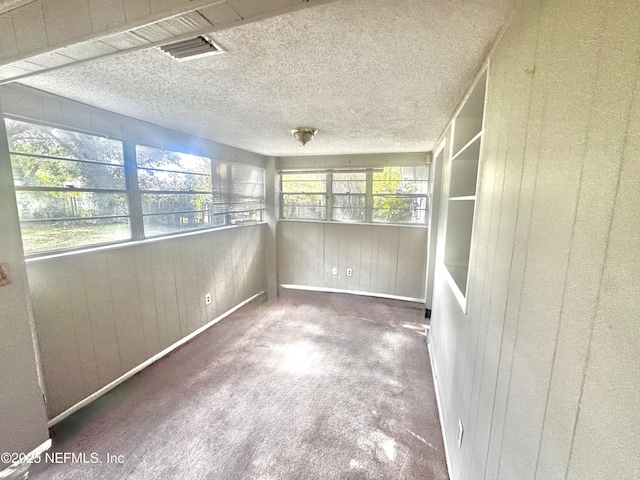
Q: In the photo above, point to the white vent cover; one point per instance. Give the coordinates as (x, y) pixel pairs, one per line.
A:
(192, 48)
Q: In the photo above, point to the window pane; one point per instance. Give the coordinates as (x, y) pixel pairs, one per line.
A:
(37, 139)
(349, 182)
(399, 202)
(47, 172)
(236, 207)
(176, 202)
(350, 201)
(304, 212)
(44, 236)
(172, 181)
(149, 157)
(304, 183)
(348, 214)
(245, 217)
(44, 205)
(155, 225)
(399, 180)
(399, 216)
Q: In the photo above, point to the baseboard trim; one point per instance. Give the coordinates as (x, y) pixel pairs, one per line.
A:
(20, 469)
(352, 292)
(442, 429)
(145, 364)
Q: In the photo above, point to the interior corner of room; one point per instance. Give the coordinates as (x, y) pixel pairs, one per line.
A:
(474, 160)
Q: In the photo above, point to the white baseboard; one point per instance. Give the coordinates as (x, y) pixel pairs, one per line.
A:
(146, 363)
(353, 292)
(444, 433)
(20, 470)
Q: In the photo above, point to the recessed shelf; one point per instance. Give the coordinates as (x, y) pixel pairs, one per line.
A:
(463, 181)
(468, 122)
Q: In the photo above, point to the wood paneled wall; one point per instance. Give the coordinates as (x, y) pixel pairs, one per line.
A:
(385, 259)
(543, 368)
(100, 314)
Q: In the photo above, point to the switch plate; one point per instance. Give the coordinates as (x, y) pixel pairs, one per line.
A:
(459, 433)
(349, 272)
(207, 299)
(5, 274)
(334, 270)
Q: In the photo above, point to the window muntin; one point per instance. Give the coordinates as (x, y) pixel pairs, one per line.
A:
(73, 189)
(70, 187)
(380, 195)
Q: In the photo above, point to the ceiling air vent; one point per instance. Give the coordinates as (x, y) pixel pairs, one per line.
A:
(189, 49)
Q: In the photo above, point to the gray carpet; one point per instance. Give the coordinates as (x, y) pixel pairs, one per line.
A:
(311, 386)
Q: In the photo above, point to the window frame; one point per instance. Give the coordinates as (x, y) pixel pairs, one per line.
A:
(131, 191)
(369, 196)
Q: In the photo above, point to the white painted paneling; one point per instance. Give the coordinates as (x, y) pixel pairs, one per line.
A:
(22, 415)
(100, 314)
(385, 259)
(542, 369)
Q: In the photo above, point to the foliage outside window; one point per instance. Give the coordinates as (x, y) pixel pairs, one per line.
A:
(70, 187)
(75, 189)
(384, 195)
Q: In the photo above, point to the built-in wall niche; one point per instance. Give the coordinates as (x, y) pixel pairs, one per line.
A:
(463, 180)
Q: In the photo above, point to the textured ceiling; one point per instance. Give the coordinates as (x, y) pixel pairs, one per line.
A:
(371, 75)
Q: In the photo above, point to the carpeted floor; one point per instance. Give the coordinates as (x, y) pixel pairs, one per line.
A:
(311, 386)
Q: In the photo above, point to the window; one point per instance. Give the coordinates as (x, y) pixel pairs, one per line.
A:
(304, 195)
(75, 189)
(378, 195)
(348, 196)
(400, 195)
(175, 190)
(70, 187)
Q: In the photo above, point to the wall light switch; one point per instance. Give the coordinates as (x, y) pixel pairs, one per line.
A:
(207, 299)
(5, 275)
(349, 272)
(334, 270)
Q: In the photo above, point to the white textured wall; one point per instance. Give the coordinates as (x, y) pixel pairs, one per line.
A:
(23, 424)
(385, 259)
(100, 314)
(543, 370)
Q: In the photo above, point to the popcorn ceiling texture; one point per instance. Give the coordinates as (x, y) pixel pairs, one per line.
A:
(310, 386)
(371, 75)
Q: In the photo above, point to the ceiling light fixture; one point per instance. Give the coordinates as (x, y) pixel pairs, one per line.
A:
(304, 134)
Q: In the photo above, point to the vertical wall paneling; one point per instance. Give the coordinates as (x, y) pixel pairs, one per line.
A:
(22, 406)
(385, 259)
(131, 302)
(543, 368)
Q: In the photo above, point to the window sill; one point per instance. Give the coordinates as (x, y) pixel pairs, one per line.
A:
(370, 224)
(37, 257)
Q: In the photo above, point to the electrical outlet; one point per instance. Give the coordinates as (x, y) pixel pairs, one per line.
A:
(334, 270)
(207, 299)
(349, 272)
(459, 433)
(5, 276)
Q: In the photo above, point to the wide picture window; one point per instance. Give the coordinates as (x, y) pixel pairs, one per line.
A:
(75, 189)
(396, 195)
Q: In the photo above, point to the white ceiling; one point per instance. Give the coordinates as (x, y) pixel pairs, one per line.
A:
(371, 75)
